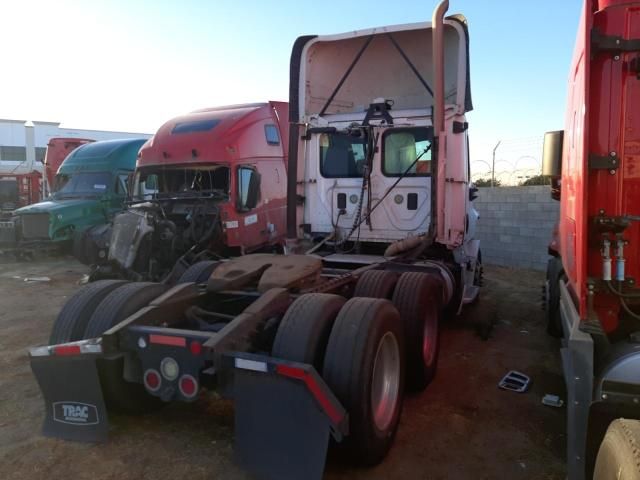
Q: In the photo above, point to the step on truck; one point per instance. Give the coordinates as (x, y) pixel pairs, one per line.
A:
(592, 298)
(209, 184)
(323, 342)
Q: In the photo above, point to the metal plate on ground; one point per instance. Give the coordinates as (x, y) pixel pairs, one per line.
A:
(515, 382)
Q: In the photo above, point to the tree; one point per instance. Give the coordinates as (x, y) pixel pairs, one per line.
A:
(486, 182)
(536, 180)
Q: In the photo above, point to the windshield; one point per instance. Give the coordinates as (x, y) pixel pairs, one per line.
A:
(8, 190)
(82, 184)
(181, 182)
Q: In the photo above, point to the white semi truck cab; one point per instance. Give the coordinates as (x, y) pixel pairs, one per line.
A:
(379, 145)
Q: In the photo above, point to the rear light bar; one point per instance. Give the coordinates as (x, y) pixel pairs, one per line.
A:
(91, 346)
(168, 340)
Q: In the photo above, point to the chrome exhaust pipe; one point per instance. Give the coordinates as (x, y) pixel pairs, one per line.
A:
(437, 40)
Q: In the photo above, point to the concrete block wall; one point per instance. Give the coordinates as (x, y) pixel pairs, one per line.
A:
(515, 225)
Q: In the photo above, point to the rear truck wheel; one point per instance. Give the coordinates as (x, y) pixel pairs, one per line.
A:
(304, 330)
(376, 284)
(552, 297)
(619, 454)
(122, 303)
(364, 367)
(71, 323)
(418, 300)
(119, 394)
(199, 272)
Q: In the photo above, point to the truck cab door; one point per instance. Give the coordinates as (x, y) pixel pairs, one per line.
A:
(405, 154)
(250, 225)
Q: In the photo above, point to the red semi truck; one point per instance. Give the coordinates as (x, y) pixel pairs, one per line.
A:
(57, 150)
(592, 297)
(209, 184)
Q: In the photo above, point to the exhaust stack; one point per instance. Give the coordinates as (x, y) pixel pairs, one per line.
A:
(437, 41)
(437, 29)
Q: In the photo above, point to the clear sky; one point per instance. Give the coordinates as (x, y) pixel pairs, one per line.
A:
(130, 65)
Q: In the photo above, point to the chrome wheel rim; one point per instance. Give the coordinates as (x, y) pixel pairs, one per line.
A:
(385, 387)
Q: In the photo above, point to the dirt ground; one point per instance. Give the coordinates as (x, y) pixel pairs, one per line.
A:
(461, 427)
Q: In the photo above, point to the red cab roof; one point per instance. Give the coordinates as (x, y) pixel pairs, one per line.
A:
(218, 135)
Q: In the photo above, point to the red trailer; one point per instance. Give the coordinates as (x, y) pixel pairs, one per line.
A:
(591, 292)
(18, 189)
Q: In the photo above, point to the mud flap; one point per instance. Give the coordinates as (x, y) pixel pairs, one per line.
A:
(281, 430)
(74, 405)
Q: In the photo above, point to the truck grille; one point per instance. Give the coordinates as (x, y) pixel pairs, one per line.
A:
(35, 225)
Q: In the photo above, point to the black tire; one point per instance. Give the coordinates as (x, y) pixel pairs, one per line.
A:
(71, 323)
(122, 303)
(552, 297)
(304, 330)
(358, 331)
(619, 454)
(376, 284)
(199, 272)
(120, 395)
(418, 298)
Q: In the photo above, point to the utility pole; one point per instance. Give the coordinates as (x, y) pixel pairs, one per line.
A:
(493, 163)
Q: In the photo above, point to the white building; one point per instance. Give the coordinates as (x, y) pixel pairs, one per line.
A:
(23, 141)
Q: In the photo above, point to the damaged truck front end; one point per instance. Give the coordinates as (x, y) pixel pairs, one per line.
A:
(174, 219)
(210, 184)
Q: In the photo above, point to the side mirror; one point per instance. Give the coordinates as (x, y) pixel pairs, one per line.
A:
(473, 192)
(254, 190)
(552, 153)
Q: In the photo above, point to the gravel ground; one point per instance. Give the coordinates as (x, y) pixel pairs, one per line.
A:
(461, 427)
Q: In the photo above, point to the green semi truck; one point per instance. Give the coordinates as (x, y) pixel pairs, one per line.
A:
(90, 187)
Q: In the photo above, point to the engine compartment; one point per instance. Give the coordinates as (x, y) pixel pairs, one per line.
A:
(173, 213)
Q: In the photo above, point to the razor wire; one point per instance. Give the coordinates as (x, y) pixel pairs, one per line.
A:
(517, 160)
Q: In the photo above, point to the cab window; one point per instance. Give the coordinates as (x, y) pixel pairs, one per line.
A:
(248, 188)
(122, 184)
(401, 149)
(342, 155)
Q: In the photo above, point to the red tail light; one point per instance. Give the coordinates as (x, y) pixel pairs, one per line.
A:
(195, 347)
(67, 350)
(152, 380)
(188, 386)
